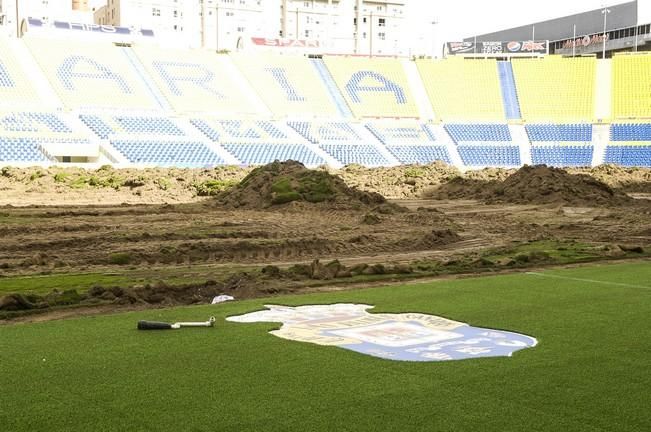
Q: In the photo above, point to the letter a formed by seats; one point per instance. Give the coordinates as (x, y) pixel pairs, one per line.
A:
(67, 72)
(354, 86)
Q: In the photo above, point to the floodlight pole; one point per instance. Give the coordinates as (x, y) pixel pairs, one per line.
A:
(574, 42)
(605, 12)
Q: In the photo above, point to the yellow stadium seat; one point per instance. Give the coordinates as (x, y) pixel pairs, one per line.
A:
(96, 74)
(15, 88)
(373, 87)
(631, 86)
(556, 89)
(462, 90)
(195, 80)
(288, 84)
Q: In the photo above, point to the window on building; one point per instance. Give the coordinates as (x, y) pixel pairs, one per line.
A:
(364, 20)
(307, 33)
(364, 35)
(306, 4)
(382, 36)
(240, 29)
(381, 22)
(176, 14)
(155, 12)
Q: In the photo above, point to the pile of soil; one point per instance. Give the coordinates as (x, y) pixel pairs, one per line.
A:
(535, 185)
(280, 183)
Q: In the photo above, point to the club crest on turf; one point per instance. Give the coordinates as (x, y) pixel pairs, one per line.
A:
(404, 336)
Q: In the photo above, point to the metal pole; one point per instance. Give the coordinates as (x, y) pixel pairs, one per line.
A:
(371, 41)
(217, 25)
(17, 21)
(574, 41)
(533, 33)
(606, 11)
(297, 23)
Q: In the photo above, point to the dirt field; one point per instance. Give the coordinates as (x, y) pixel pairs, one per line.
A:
(224, 249)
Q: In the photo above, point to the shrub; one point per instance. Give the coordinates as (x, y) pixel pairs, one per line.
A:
(119, 258)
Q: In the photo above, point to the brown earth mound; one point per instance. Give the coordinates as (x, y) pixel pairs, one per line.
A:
(535, 185)
(280, 183)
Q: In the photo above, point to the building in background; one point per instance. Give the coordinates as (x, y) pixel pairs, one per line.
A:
(617, 28)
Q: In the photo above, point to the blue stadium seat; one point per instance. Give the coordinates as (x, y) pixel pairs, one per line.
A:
(20, 150)
(562, 156)
(630, 156)
(189, 154)
(415, 154)
(478, 132)
(560, 132)
(485, 156)
(261, 153)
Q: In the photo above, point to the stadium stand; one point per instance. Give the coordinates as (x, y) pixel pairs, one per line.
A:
(561, 145)
(483, 145)
(463, 90)
(107, 125)
(196, 81)
(342, 141)
(256, 142)
(164, 153)
(25, 136)
(289, 85)
(409, 142)
(630, 145)
(630, 88)
(373, 87)
(555, 89)
(15, 88)
(91, 75)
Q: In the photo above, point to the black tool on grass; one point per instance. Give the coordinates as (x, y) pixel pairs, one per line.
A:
(157, 325)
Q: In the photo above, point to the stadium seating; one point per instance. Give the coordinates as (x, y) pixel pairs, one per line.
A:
(463, 90)
(20, 150)
(15, 88)
(105, 125)
(96, 75)
(631, 83)
(195, 80)
(341, 141)
(561, 145)
(483, 145)
(630, 144)
(165, 153)
(409, 142)
(256, 142)
(289, 85)
(263, 153)
(373, 87)
(488, 132)
(556, 89)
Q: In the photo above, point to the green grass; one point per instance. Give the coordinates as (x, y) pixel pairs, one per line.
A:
(590, 371)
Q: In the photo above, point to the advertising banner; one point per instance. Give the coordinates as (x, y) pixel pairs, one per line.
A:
(498, 48)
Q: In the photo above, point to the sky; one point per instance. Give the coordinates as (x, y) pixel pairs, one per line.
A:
(457, 19)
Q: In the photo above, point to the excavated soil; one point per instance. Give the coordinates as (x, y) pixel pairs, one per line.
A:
(248, 241)
(535, 185)
(281, 183)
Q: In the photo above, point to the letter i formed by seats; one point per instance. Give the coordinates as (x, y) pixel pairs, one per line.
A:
(280, 75)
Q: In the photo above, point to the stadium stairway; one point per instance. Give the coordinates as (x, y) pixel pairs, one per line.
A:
(443, 137)
(418, 89)
(509, 93)
(603, 93)
(296, 137)
(600, 140)
(368, 137)
(149, 84)
(520, 137)
(336, 96)
(196, 135)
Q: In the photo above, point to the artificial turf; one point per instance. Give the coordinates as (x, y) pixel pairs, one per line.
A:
(590, 372)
